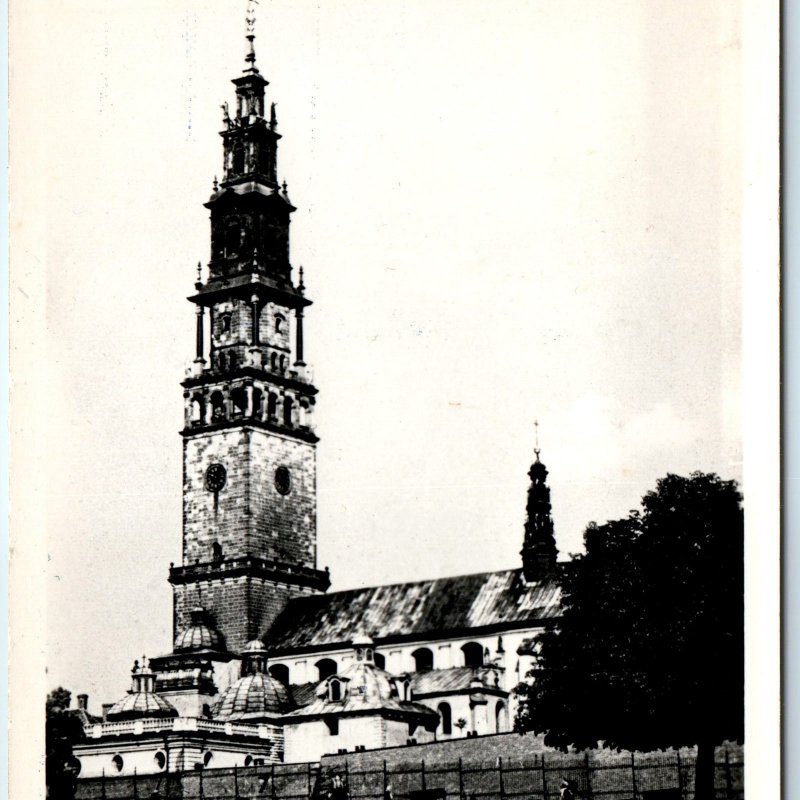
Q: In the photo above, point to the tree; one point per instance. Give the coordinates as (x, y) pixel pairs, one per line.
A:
(62, 731)
(649, 651)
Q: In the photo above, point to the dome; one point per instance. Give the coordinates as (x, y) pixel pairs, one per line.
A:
(200, 634)
(141, 704)
(254, 646)
(251, 697)
(141, 700)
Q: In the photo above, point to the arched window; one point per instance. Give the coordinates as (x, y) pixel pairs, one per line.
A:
(248, 761)
(423, 659)
(326, 667)
(333, 725)
(280, 672)
(283, 363)
(334, 690)
(473, 654)
(232, 359)
(446, 718)
(272, 406)
(273, 362)
(198, 409)
(225, 323)
(217, 406)
(500, 717)
(238, 157)
(258, 399)
(117, 762)
(160, 760)
(216, 552)
(287, 411)
(279, 320)
(222, 362)
(208, 757)
(239, 398)
(380, 661)
(233, 237)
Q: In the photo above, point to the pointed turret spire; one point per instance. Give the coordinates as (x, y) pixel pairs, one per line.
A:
(250, 19)
(539, 550)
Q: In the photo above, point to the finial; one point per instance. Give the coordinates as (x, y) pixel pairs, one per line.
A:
(226, 117)
(301, 287)
(284, 187)
(250, 20)
(216, 184)
(273, 117)
(536, 448)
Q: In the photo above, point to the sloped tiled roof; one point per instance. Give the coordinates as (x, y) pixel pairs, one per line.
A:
(454, 679)
(499, 600)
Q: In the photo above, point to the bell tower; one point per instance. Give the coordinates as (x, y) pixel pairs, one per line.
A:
(249, 446)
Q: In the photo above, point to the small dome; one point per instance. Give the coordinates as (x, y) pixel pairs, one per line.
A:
(200, 634)
(254, 646)
(141, 700)
(141, 704)
(254, 696)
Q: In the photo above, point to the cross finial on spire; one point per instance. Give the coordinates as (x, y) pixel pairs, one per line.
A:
(301, 286)
(250, 21)
(536, 447)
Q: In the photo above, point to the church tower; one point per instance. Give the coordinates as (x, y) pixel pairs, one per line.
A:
(249, 457)
(539, 552)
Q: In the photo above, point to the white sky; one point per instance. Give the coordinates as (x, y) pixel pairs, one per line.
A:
(506, 211)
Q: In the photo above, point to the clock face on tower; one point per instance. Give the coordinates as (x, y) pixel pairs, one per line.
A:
(216, 476)
(283, 480)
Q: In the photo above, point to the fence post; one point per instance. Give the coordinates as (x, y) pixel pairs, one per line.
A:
(728, 785)
(544, 779)
(103, 784)
(422, 774)
(385, 781)
(135, 789)
(633, 774)
(202, 793)
(347, 777)
(460, 778)
(500, 775)
(272, 781)
(236, 781)
(588, 774)
(310, 788)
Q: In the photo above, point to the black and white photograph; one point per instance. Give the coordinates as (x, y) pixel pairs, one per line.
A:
(394, 400)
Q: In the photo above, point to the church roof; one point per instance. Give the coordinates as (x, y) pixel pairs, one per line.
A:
(141, 704)
(408, 611)
(454, 679)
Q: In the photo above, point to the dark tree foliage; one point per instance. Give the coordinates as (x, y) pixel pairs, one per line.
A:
(62, 731)
(649, 652)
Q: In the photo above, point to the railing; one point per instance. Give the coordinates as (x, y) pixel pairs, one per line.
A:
(247, 564)
(138, 727)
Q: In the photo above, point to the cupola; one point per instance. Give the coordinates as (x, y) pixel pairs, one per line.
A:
(199, 635)
(141, 700)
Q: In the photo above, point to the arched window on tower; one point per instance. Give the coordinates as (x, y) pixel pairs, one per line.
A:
(279, 320)
(216, 552)
(239, 399)
(283, 364)
(258, 401)
(326, 667)
(272, 406)
(287, 412)
(217, 406)
(238, 157)
(280, 672)
(198, 410)
(423, 659)
(225, 323)
(446, 718)
(222, 362)
(473, 654)
(273, 362)
(233, 238)
(232, 359)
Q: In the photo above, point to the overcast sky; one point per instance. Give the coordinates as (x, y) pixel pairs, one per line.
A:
(507, 211)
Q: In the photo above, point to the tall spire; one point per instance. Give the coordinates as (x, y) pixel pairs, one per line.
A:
(539, 550)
